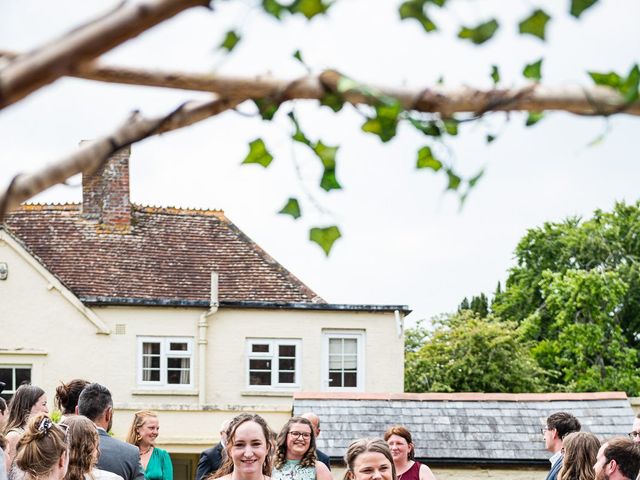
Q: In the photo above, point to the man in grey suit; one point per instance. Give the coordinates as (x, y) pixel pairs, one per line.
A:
(116, 456)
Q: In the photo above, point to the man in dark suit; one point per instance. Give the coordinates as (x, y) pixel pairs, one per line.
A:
(212, 458)
(558, 426)
(116, 456)
(315, 422)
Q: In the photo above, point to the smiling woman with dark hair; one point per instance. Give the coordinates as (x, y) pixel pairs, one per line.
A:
(296, 453)
(28, 400)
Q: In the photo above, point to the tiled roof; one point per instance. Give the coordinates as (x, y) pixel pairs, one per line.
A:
(463, 428)
(166, 255)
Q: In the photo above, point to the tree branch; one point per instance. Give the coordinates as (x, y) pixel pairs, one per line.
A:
(31, 71)
(91, 155)
(595, 100)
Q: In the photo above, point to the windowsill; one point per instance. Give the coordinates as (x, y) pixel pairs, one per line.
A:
(267, 393)
(158, 391)
(22, 351)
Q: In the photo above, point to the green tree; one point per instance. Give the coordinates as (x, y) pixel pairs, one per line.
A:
(478, 304)
(468, 353)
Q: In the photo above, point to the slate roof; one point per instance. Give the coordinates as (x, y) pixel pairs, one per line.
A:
(167, 256)
(463, 428)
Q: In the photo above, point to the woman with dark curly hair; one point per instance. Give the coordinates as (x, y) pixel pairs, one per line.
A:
(248, 450)
(296, 453)
(27, 401)
(83, 450)
(67, 395)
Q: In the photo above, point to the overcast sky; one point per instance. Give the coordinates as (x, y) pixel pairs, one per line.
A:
(405, 241)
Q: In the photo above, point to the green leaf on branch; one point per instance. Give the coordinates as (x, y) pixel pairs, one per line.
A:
(611, 79)
(427, 160)
(535, 24)
(230, 41)
(579, 6)
(325, 237)
(429, 127)
(451, 126)
(267, 108)
(495, 74)
(533, 118)
(454, 180)
(332, 100)
(481, 33)
(258, 153)
(415, 9)
(274, 8)
(298, 135)
(533, 71)
(385, 123)
(627, 86)
(310, 8)
(327, 156)
(292, 208)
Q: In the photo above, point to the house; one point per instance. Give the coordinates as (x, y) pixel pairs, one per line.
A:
(465, 435)
(175, 310)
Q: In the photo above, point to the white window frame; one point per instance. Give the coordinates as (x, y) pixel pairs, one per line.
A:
(359, 336)
(166, 353)
(272, 355)
(13, 367)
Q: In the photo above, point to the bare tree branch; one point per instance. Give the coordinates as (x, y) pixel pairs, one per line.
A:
(92, 154)
(31, 71)
(594, 100)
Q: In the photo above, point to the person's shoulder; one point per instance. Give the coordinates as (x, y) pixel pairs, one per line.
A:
(105, 475)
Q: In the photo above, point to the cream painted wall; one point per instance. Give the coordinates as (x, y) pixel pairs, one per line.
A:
(42, 328)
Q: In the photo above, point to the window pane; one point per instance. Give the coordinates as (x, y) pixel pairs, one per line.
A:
(335, 379)
(286, 377)
(6, 376)
(350, 345)
(178, 346)
(151, 375)
(335, 345)
(151, 348)
(335, 362)
(180, 363)
(350, 362)
(260, 348)
(260, 378)
(287, 350)
(350, 379)
(150, 362)
(286, 364)
(259, 364)
(178, 377)
(23, 375)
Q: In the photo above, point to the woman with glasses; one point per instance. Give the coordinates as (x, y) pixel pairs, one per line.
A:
(580, 452)
(295, 457)
(27, 401)
(143, 433)
(42, 450)
(83, 450)
(399, 440)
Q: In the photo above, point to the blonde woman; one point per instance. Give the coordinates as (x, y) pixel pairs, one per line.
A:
(144, 430)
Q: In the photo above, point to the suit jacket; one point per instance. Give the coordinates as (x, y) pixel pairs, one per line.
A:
(210, 461)
(324, 458)
(119, 457)
(555, 469)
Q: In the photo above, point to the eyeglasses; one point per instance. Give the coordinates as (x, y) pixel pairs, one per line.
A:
(633, 435)
(305, 435)
(545, 429)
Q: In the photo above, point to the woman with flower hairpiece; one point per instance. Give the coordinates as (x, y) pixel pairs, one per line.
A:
(42, 450)
(156, 462)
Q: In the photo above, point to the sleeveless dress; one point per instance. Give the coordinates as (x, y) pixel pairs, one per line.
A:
(292, 470)
(413, 473)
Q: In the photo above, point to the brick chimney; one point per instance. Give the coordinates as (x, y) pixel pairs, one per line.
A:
(105, 193)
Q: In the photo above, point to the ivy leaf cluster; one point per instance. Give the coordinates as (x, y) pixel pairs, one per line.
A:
(627, 86)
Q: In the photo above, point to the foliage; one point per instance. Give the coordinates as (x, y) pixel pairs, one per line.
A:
(479, 305)
(466, 353)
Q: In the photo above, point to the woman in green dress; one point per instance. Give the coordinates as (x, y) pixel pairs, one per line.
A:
(144, 430)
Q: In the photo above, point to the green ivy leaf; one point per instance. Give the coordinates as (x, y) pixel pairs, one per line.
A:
(579, 6)
(481, 33)
(429, 127)
(473, 180)
(533, 71)
(267, 108)
(535, 24)
(310, 8)
(629, 87)
(325, 237)
(427, 160)
(533, 118)
(385, 123)
(495, 74)
(258, 153)
(328, 157)
(298, 135)
(298, 56)
(611, 79)
(292, 208)
(490, 138)
(451, 126)
(274, 8)
(415, 9)
(230, 41)
(454, 180)
(332, 100)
